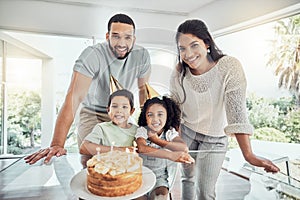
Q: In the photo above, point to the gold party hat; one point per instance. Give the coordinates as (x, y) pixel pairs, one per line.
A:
(114, 85)
(150, 92)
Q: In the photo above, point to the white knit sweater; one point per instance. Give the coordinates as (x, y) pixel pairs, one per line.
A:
(213, 97)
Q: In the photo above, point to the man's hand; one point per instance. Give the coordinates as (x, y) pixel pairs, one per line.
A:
(48, 153)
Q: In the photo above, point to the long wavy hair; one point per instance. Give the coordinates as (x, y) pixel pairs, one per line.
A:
(172, 108)
(199, 29)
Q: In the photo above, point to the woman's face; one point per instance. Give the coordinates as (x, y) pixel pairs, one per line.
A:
(119, 111)
(156, 116)
(193, 51)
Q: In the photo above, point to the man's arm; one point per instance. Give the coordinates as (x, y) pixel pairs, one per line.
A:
(142, 89)
(77, 91)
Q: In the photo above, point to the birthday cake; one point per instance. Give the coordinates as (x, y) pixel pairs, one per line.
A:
(114, 173)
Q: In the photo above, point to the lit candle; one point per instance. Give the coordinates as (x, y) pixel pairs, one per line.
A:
(112, 146)
(134, 147)
(128, 156)
(98, 153)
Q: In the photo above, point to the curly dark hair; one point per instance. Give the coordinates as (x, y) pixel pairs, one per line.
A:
(172, 108)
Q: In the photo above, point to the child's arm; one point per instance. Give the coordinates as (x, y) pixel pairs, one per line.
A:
(177, 144)
(89, 148)
(176, 156)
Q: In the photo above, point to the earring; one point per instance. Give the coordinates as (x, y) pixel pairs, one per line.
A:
(208, 51)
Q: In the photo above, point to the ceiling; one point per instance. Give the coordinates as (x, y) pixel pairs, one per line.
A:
(156, 20)
(173, 7)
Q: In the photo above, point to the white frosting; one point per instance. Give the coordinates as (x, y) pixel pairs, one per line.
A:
(115, 162)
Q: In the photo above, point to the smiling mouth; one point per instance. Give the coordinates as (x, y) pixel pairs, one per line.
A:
(121, 50)
(119, 117)
(192, 59)
(156, 125)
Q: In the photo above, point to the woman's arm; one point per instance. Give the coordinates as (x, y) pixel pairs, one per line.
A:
(177, 144)
(176, 156)
(245, 145)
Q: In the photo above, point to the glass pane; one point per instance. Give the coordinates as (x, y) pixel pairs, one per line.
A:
(1, 63)
(269, 53)
(23, 103)
(24, 85)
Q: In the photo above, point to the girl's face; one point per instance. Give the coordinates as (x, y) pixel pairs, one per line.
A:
(119, 111)
(156, 117)
(193, 51)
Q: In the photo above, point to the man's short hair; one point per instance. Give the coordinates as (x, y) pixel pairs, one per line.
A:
(121, 18)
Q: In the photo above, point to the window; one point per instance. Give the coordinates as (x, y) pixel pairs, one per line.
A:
(272, 110)
(37, 72)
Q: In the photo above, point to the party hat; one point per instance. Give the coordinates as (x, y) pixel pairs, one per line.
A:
(150, 92)
(114, 85)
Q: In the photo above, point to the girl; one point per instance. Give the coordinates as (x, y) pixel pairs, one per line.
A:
(158, 141)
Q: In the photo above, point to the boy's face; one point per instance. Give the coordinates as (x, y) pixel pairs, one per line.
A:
(156, 117)
(119, 111)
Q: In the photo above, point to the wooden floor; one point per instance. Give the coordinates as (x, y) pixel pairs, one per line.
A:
(229, 187)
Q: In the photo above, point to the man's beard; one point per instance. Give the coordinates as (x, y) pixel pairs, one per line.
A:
(116, 53)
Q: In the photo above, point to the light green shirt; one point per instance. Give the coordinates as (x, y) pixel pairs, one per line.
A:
(106, 133)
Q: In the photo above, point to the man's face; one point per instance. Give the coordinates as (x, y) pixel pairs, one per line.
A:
(121, 39)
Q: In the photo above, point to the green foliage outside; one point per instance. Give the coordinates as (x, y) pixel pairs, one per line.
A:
(23, 121)
(274, 120)
(281, 115)
(285, 57)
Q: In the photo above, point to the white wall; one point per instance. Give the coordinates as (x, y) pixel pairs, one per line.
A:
(83, 21)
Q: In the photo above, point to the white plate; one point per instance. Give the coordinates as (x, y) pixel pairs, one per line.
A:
(78, 186)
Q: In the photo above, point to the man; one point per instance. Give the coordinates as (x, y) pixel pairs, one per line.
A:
(117, 56)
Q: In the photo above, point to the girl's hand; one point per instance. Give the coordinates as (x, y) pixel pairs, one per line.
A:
(182, 157)
(153, 137)
(152, 134)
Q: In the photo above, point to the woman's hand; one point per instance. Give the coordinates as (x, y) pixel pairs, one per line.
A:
(268, 165)
(183, 157)
(48, 153)
(244, 143)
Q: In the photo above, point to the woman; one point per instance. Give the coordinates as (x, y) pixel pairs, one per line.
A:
(211, 87)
